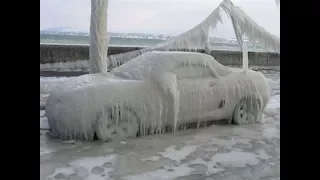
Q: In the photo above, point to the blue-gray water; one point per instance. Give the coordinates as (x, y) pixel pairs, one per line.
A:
(121, 41)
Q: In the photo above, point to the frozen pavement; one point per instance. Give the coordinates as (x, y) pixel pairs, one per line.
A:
(223, 152)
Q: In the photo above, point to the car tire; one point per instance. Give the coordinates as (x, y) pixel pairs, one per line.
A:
(246, 111)
(117, 126)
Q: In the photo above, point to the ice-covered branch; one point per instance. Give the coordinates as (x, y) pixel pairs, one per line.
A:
(195, 38)
(245, 58)
(98, 36)
(198, 37)
(244, 26)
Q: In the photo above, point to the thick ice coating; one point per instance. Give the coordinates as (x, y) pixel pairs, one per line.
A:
(99, 39)
(154, 93)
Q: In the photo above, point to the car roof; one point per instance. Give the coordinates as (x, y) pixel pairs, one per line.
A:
(165, 61)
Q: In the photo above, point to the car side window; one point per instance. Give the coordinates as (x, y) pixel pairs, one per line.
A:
(186, 72)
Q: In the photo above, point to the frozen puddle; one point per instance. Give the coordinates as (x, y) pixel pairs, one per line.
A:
(217, 152)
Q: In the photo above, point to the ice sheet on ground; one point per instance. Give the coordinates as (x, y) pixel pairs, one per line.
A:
(217, 152)
(236, 159)
(177, 155)
(152, 158)
(94, 168)
(162, 174)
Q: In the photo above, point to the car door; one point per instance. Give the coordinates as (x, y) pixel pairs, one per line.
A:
(198, 92)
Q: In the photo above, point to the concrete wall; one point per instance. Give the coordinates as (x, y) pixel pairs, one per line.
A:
(50, 53)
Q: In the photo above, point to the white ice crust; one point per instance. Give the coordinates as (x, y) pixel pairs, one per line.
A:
(159, 89)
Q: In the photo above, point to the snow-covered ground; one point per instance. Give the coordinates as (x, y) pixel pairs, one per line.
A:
(223, 152)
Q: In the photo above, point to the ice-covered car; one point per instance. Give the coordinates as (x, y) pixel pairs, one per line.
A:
(154, 93)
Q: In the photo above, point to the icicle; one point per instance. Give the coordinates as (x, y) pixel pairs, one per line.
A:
(237, 31)
(170, 81)
(98, 36)
(160, 116)
(245, 60)
(116, 113)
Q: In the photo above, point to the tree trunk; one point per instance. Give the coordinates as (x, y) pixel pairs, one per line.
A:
(99, 39)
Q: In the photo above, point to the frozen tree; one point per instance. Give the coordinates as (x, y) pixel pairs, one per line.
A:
(198, 37)
(98, 36)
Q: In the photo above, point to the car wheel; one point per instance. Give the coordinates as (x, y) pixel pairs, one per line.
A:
(114, 125)
(246, 111)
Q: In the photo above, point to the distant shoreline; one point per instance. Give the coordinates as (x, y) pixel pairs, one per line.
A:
(82, 44)
(77, 40)
(217, 48)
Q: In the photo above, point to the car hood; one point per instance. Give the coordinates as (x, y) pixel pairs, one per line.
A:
(95, 87)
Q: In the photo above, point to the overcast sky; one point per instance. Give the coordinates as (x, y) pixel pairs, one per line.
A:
(169, 17)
